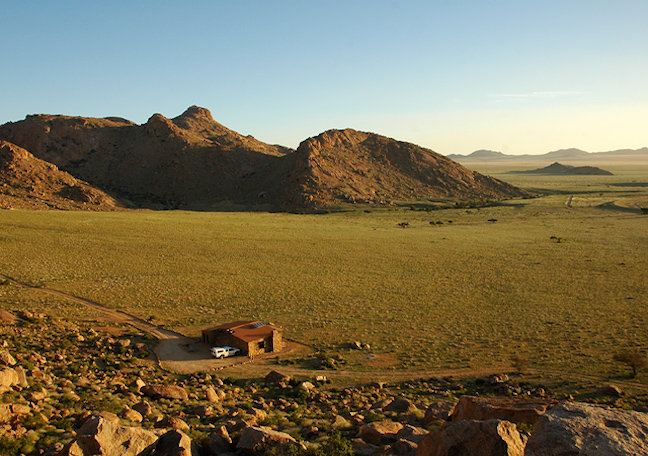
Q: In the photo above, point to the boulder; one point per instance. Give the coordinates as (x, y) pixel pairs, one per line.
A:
(165, 391)
(400, 406)
(439, 411)
(172, 422)
(306, 386)
(214, 395)
(144, 408)
(138, 384)
(404, 447)
(380, 432)
(499, 408)
(611, 390)
(175, 443)
(202, 410)
(98, 436)
(277, 377)
(339, 422)
(131, 415)
(8, 378)
(363, 448)
(218, 443)
(7, 318)
(22, 377)
(586, 429)
(10, 412)
(255, 440)
(473, 438)
(6, 358)
(412, 433)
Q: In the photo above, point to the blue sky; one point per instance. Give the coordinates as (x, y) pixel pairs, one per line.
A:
(455, 76)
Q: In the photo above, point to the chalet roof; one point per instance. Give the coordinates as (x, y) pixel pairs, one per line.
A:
(246, 330)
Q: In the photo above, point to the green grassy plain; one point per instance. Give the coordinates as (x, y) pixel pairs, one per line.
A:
(474, 291)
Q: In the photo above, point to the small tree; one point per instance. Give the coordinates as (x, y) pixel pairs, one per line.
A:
(635, 360)
(520, 364)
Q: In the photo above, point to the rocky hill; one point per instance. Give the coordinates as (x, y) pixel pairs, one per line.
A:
(358, 167)
(560, 169)
(27, 182)
(193, 162)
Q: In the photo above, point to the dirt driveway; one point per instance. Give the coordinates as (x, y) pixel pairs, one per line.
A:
(175, 352)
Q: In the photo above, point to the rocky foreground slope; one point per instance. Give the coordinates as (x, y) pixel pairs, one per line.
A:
(68, 389)
(193, 162)
(27, 182)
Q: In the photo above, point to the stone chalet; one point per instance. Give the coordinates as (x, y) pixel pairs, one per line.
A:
(251, 337)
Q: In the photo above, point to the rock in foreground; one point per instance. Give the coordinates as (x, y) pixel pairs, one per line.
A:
(473, 438)
(585, 429)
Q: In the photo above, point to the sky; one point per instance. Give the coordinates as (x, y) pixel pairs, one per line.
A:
(455, 76)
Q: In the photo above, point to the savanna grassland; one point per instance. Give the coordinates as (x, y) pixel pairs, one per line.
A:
(563, 287)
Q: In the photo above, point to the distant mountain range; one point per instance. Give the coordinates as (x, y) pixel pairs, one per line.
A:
(193, 162)
(562, 154)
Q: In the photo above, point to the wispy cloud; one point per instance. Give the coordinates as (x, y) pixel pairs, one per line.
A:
(533, 95)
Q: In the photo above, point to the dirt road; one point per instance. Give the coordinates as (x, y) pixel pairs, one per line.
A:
(175, 352)
(183, 355)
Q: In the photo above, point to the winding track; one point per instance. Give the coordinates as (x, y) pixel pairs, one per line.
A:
(173, 355)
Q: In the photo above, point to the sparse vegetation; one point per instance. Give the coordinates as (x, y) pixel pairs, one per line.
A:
(465, 294)
(635, 360)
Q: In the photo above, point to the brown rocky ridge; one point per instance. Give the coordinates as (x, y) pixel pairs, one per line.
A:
(27, 182)
(358, 167)
(193, 162)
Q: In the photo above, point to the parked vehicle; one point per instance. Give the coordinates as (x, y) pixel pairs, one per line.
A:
(224, 352)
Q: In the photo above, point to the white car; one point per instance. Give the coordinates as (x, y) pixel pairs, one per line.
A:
(224, 352)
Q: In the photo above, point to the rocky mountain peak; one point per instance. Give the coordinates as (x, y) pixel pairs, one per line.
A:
(333, 139)
(197, 112)
(10, 153)
(158, 125)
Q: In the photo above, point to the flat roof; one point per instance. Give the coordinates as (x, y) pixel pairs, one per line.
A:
(247, 331)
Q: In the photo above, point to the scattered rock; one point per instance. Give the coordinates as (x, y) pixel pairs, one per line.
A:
(6, 358)
(439, 411)
(473, 438)
(339, 422)
(611, 390)
(380, 432)
(124, 343)
(99, 436)
(400, 406)
(144, 408)
(131, 415)
(307, 386)
(255, 440)
(218, 442)
(577, 428)
(165, 391)
(8, 378)
(8, 412)
(175, 443)
(412, 433)
(363, 448)
(277, 377)
(403, 447)
(498, 378)
(513, 410)
(138, 384)
(172, 422)
(9, 319)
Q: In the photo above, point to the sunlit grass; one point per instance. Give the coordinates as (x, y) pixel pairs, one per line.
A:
(471, 292)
